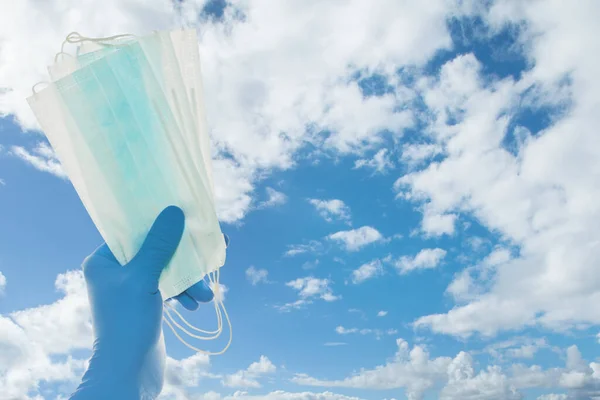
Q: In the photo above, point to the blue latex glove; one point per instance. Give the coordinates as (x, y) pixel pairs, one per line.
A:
(128, 359)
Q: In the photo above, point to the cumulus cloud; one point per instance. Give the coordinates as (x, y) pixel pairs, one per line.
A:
(248, 378)
(415, 371)
(367, 271)
(64, 325)
(288, 90)
(31, 339)
(182, 376)
(438, 224)
(530, 190)
(331, 209)
(411, 369)
(382, 313)
(425, 259)
(356, 239)
(471, 281)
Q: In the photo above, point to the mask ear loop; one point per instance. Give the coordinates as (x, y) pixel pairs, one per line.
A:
(219, 303)
(76, 37)
(36, 85)
(170, 308)
(215, 333)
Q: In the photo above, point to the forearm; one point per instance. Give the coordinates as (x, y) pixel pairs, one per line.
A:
(104, 379)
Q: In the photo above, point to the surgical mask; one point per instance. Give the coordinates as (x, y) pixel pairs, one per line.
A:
(126, 119)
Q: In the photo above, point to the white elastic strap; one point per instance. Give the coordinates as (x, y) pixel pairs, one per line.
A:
(76, 37)
(219, 319)
(215, 334)
(218, 305)
(39, 83)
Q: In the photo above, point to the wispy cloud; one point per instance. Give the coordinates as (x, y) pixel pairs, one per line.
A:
(333, 344)
(312, 247)
(41, 157)
(274, 198)
(2, 283)
(378, 333)
(309, 288)
(380, 162)
(256, 276)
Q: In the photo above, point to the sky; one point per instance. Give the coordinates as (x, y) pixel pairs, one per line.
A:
(410, 189)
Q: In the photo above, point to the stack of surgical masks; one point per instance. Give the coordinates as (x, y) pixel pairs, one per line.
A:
(125, 116)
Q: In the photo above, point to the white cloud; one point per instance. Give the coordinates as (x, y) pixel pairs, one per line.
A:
(488, 384)
(309, 288)
(2, 283)
(248, 378)
(471, 282)
(274, 199)
(219, 295)
(378, 333)
(331, 209)
(47, 325)
(438, 224)
(367, 271)
(414, 154)
(533, 196)
(29, 338)
(520, 347)
(259, 120)
(255, 276)
(2, 182)
(382, 313)
(183, 375)
(553, 396)
(282, 395)
(418, 374)
(233, 199)
(380, 162)
(335, 344)
(24, 364)
(312, 247)
(355, 239)
(425, 259)
(411, 369)
(41, 157)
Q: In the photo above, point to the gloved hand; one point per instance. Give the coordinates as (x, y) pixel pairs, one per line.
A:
(128, 359)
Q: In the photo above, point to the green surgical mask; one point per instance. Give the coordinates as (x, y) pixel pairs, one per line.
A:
(126, 119)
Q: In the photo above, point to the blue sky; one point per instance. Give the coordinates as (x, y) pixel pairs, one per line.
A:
(409, 192)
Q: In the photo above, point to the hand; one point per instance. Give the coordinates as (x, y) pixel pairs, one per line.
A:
(128, 359)
(198, 293)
